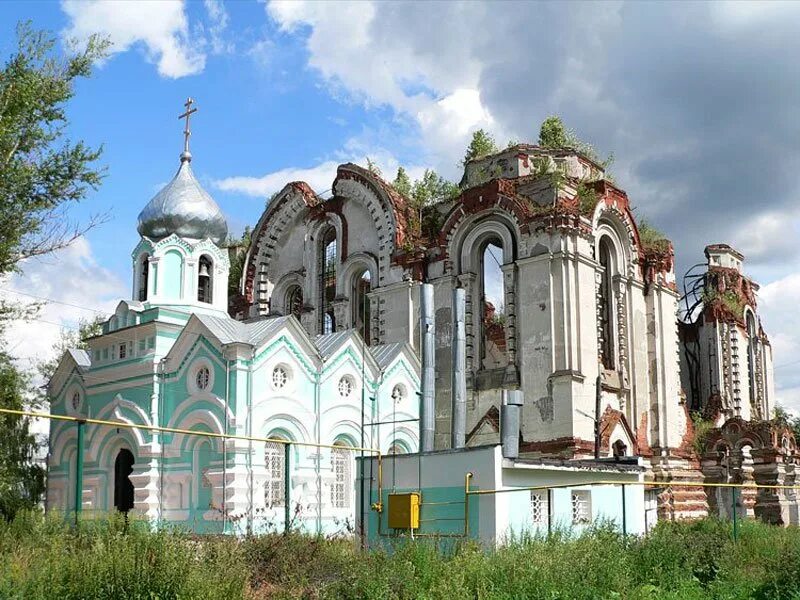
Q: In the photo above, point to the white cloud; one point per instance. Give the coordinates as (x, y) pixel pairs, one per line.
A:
(217, 27)
(778, 302)
(161, 27)
(320, 176)
(72, 277)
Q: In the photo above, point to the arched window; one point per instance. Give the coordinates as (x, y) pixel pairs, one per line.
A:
(123, 488)
(275, 463)
(493, 300)
(606, 303)
(205, 279)
(341, 463)
(327, 284)
(294, 301)
(362, 284)
(752, 340)
(144, 271)
(397, 448)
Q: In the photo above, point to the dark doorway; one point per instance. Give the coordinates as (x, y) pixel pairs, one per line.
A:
(123, 488)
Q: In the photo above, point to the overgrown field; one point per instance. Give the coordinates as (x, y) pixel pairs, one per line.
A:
(44, 558)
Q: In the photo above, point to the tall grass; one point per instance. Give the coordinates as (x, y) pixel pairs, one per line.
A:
(42, 557)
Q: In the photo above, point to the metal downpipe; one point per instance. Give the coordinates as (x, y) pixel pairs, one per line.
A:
(459, 376)
(428, 329)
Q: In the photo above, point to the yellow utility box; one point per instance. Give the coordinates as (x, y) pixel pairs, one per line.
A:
(404, 511)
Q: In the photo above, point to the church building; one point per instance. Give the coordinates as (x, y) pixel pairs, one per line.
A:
(540, 286)
(172, 357)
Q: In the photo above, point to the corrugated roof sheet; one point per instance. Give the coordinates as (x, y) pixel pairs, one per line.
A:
(385, 353)
(81, 357)
(329, 343)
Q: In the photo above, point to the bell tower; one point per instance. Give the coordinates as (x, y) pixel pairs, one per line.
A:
(180, 260)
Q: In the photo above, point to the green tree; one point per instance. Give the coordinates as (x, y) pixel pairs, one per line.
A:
(432, 188)
(402, 182)
(552, 133)
(239, 247)
(41, 172)
(70, 338)
(21, 479)
(482, 144)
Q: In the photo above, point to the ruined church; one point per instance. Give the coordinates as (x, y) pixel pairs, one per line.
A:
(567, 300)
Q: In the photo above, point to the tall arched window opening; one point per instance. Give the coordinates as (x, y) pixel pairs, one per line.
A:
(327, 284)
(361, 316)
(341, 462)
(752, 340)
(205, 279)
(493, 301)
(123, 488)
(275, 464)
(294, 301)
(144, 271)
(606, 304)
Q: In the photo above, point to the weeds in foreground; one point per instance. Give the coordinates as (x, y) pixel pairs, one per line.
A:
(44, 557)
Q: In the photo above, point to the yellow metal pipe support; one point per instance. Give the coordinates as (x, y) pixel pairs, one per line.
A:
(208, 434)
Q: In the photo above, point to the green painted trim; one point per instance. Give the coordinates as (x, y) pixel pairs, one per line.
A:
(402, 364)
(148, 375)
(129, 361)
(310, 371)
(200, 339)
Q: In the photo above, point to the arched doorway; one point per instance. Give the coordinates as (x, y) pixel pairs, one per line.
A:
(123, 488)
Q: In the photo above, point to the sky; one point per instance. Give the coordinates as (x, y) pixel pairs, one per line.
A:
(697, 102)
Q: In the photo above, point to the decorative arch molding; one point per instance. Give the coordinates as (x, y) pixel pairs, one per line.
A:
(406, 436)
(295, 429)
(97, 449)
(282, 288)
(471, 237)
(115, 407)
(61, 448)
(184, 409)
(283, 210)
(181, 442)
(383, 202)
(352, 266)
(614, 223)
(350, 431)
(469, 228)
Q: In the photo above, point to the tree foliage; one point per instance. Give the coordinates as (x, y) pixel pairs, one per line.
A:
(402, 182)
(41, 172)
(21, 479)
(482, 144)
(240, 247)
(554, 134)
(70, 338)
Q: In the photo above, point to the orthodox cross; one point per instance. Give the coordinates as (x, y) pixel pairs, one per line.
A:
(186, 131)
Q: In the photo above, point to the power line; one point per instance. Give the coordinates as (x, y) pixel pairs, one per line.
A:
(53, 301)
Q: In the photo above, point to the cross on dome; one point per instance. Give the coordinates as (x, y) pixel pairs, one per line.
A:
(186, 155)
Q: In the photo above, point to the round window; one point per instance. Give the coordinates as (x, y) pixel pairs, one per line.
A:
(202, 378)
(279, 377)
(398, 393)
(76, 400)
(345, 387)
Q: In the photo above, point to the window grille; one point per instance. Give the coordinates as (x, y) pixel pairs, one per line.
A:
(76, 400)
(539, 507)
(279, 377)
(274, 486)
(340, 490)
(345, 387)
(202, 378)
(327, 285)
(581, 507)
(123, 350)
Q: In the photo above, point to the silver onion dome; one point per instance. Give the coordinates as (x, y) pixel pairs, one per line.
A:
(184, 208)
